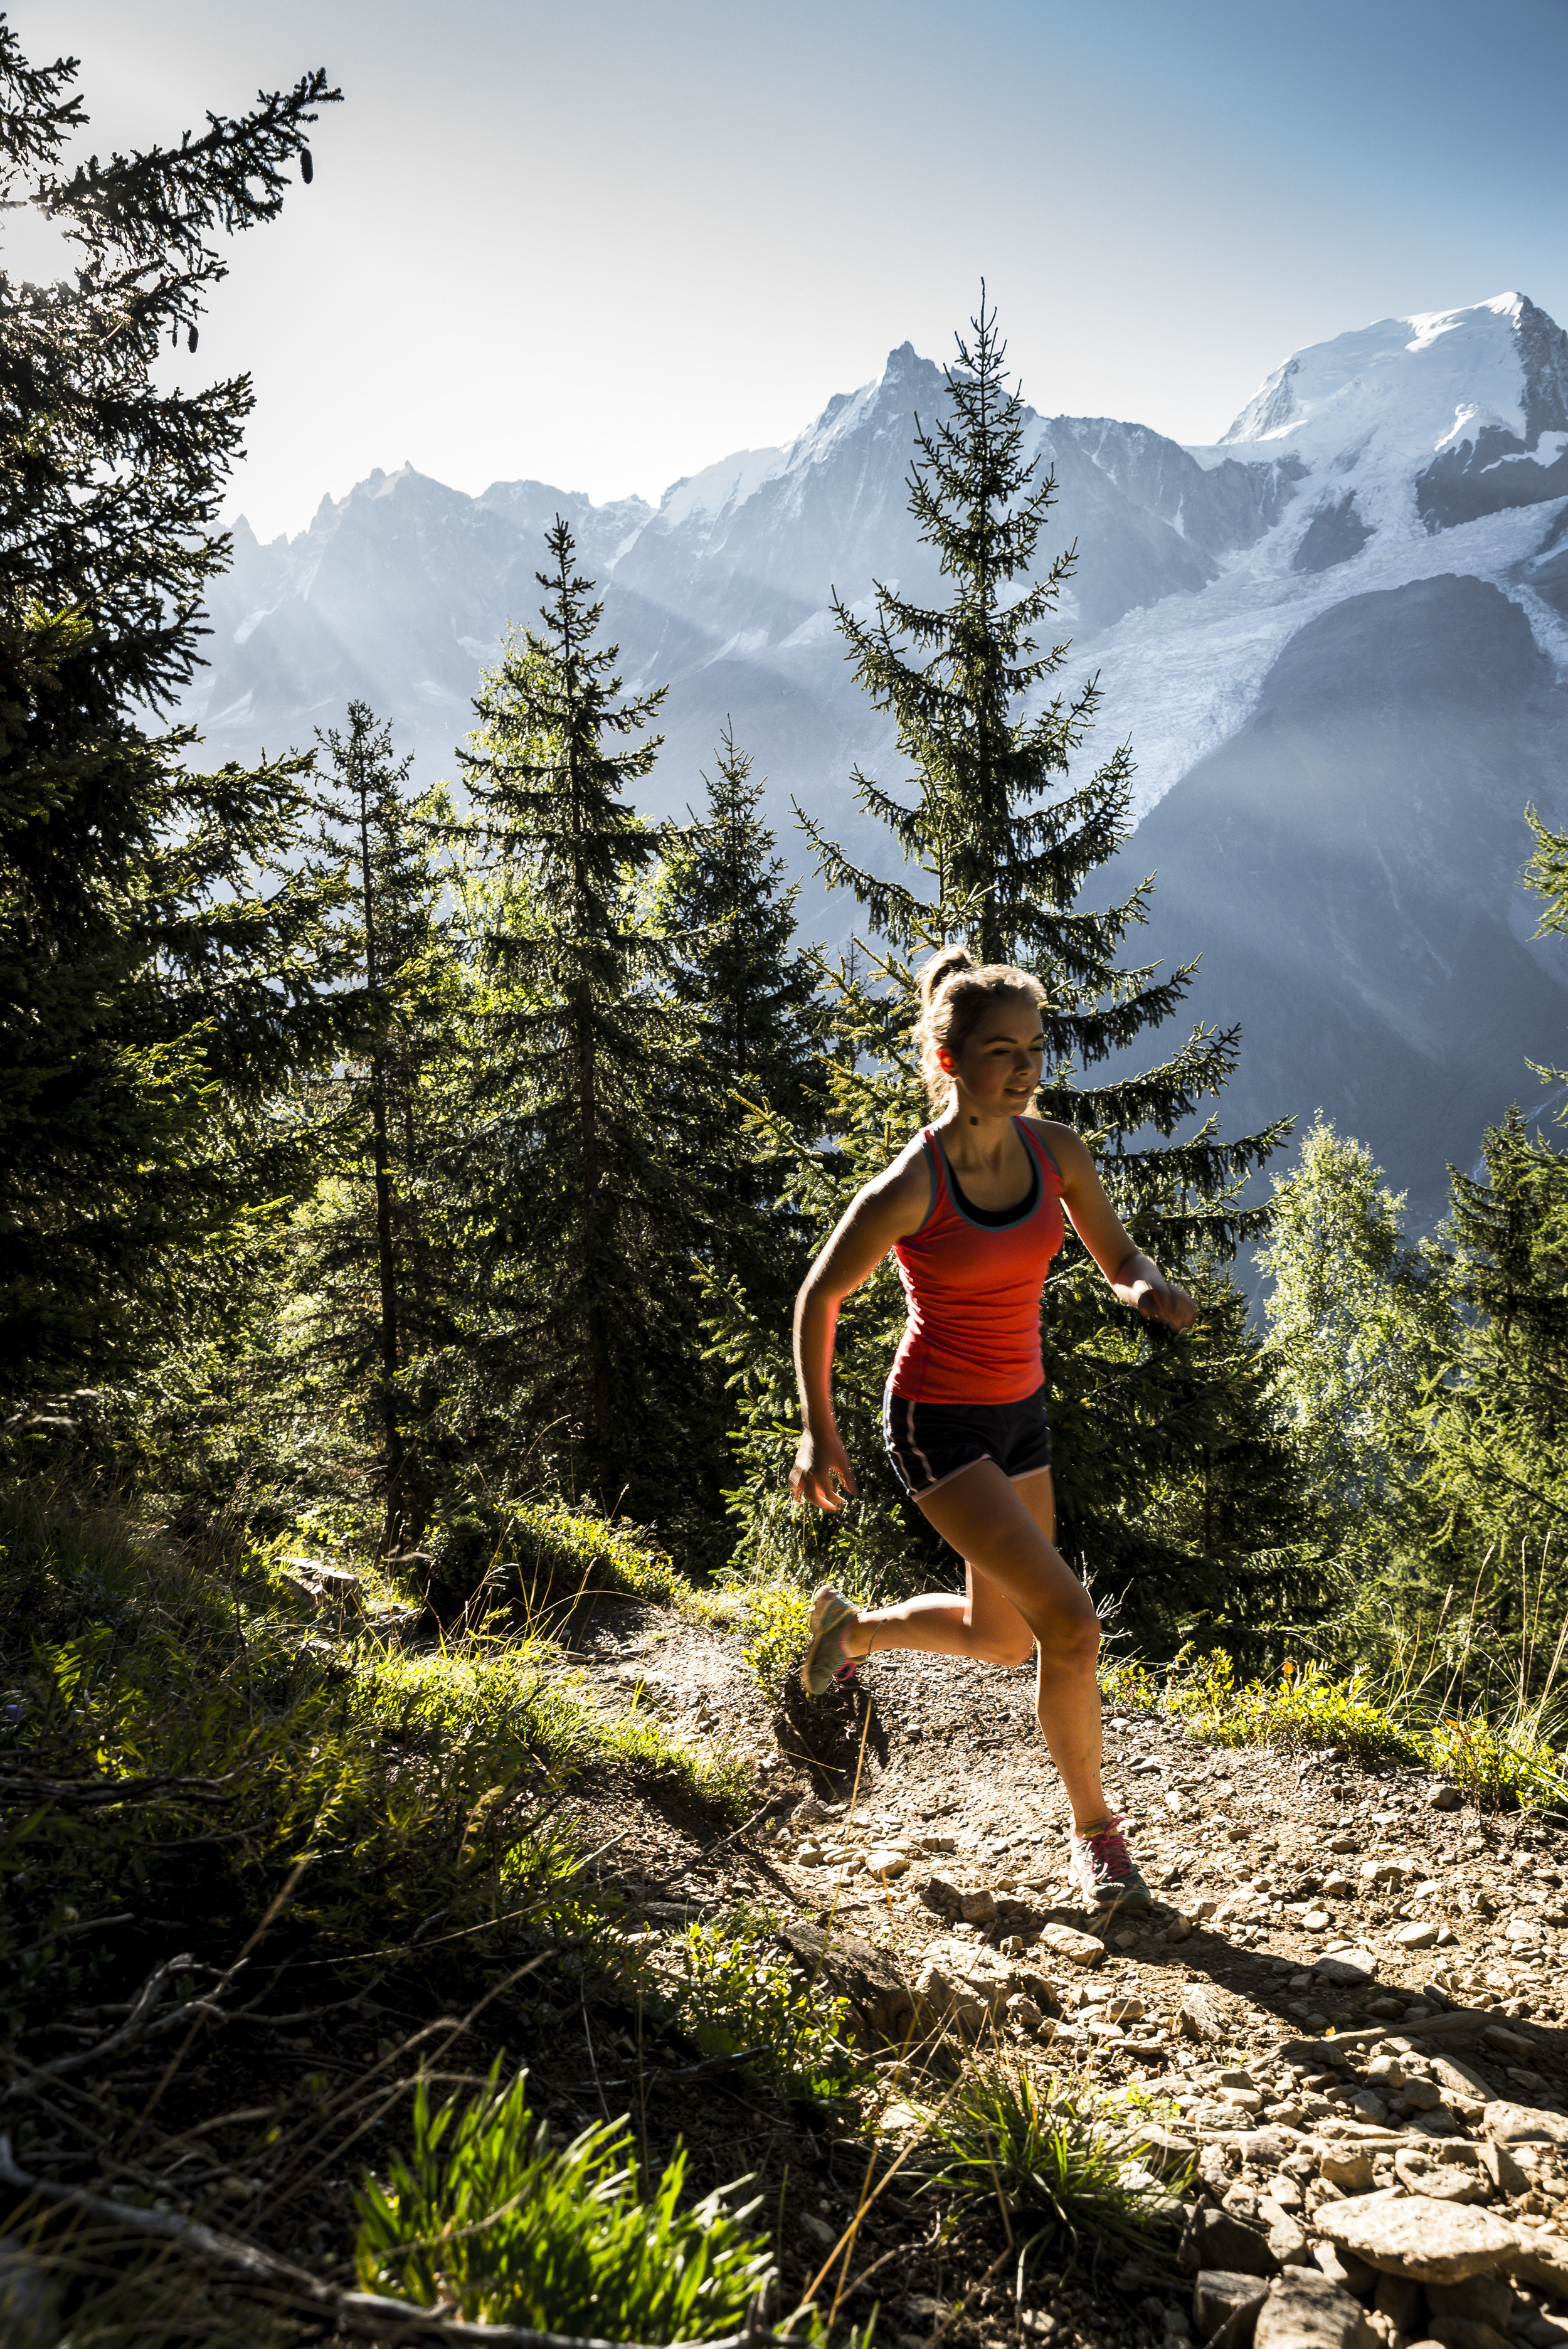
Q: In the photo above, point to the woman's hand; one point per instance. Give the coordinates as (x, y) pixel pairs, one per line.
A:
(1161, 1300)
(819, 1460)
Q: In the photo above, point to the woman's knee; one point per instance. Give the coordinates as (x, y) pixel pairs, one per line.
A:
(1069, 1638)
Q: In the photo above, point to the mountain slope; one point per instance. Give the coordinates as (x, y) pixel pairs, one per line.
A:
(1347, 867)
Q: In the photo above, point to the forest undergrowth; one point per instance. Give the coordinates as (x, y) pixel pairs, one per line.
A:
(293, 1921)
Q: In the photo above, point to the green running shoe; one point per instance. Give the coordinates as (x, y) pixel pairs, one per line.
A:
(826, 1660)
(1103, 1872)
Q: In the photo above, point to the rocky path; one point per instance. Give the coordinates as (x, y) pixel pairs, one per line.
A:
(1346, 2009)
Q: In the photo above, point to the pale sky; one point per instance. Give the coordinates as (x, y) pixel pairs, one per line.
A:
(606, 243)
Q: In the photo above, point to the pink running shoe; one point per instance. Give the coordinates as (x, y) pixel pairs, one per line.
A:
(827, 1663)
(1103, 1872)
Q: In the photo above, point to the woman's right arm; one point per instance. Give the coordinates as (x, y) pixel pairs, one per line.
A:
(885, 1211)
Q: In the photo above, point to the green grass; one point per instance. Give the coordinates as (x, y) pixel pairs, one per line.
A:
(487, 2218)
(410, 1782)
(1056, 2161)
(1504, 1757)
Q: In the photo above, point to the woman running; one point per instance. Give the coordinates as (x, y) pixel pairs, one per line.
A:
(972, 1209)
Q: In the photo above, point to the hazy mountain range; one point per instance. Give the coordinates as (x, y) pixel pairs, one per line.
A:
(1337, 639)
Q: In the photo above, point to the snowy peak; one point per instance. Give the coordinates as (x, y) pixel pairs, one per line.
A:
(1437, 419)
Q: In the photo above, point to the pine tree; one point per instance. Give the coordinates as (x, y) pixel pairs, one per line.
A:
(751, 996)
(589, 1109)
(1003, 844)
(163, 965)
(374, 1256)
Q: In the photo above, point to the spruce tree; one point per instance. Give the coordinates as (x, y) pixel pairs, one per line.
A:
(163, 964)
(590, 1105)
(751, 996)
(998, 845)
(372, 1253)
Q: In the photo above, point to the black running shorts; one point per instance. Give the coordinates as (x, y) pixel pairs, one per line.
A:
(928, 1442)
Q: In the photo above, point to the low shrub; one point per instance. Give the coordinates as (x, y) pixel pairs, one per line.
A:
(485, 2217)
(542, 1557)
(778, 1618)
(731, 1996)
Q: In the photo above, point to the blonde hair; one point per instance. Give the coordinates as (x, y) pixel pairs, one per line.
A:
(953, 994)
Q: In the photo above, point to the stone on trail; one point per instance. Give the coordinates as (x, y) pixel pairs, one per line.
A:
(1347, 1968)
(1486, 2299)
(1077, 1948)
(1507, 2175)
(1305, 2311)
(879, 1999)
(1415, 2235)
(1214, 2239)
(1221, 2293)
(1465, 2333)
(1164, 2150)
(1444, 2181)
(1458, 2078)
(1287, 2236)
(1347, 2166)
(1524, 2125)
(1445, 1797)
(1202, 2016)
(1414, 1935)
(1345, 2268)
(883, 1860)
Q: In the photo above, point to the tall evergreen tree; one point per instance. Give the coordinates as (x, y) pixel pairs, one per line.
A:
(751, 996)
(589, 1107)
(1002, 845)
(163, 965)
(372, 1253)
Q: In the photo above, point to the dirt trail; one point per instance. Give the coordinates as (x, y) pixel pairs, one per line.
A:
(1296, 1896)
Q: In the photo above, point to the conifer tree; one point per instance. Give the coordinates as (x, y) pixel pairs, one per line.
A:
(588, 1107)
(373, 1253)
(998, 845)
(163, 965)
(751, 997)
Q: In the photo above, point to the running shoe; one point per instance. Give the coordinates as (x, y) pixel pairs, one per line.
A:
(1103, 1871)
(826, 1660)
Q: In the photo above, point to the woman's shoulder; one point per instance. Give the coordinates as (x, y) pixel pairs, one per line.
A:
(1066, 1148)
(905, 1181)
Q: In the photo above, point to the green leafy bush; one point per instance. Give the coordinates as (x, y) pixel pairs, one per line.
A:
(486, 2217)
(545, 1556)
(778, 1618)
(730, 1996)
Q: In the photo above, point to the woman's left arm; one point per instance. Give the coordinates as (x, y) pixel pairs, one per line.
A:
(1134, 1278)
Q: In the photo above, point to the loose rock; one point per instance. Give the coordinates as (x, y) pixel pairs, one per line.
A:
(1305, 2311)
(1220, 2294)
(1416, 2235)
(1077, 1948)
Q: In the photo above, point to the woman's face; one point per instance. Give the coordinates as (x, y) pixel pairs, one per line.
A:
(998, 1066)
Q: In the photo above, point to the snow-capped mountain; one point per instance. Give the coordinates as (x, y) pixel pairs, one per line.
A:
(1337, 639)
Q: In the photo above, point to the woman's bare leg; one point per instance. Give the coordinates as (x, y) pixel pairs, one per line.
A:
(1020, 1590)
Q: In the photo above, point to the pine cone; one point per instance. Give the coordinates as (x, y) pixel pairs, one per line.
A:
(306, 168)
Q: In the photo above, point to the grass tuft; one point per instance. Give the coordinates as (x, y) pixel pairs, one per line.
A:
(485, 2217)
(1060, 2165)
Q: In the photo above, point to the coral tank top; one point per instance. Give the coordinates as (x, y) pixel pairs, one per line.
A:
(974, 1290)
